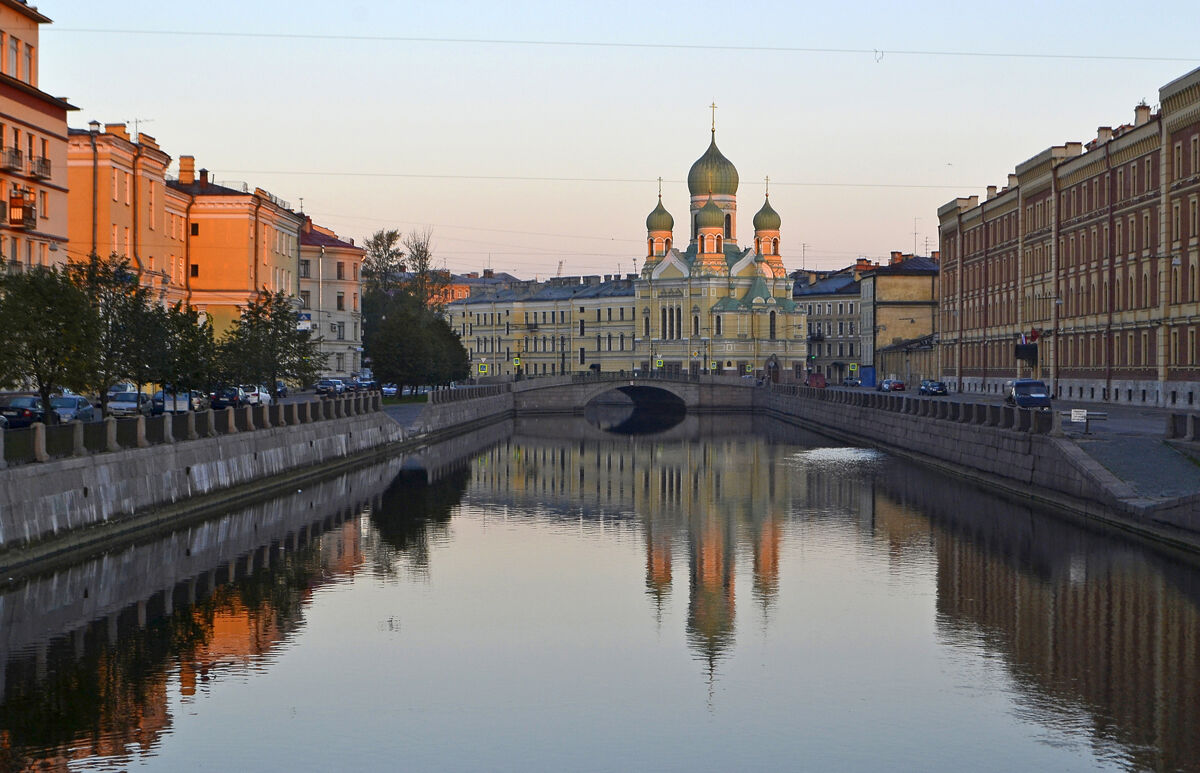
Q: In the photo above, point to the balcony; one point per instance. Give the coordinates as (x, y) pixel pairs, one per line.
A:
(22, 212)
(12, 160)
(40, 167)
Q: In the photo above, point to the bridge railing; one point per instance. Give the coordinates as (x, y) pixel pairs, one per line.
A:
(442, 396)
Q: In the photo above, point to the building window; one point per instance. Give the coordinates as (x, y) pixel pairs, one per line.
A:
(195, 229)
(305, 269)
(305, 299)
(339, 362)
(195, 270)
(341, 301)
(341, 270)
(341, 331)
(696, 324)
(717, 320)
(582, 355)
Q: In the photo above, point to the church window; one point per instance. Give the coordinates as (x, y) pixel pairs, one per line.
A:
(695, 324)
(717, 320)
(774, 246)
(728, 226)
(758, 245)
(772, 326)
(666, 246)
(719, 246)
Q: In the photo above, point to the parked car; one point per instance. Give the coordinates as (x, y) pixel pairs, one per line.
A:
(3, 422)
(883, 386)
(124, 386)
(851, 382)
(281, 389)
(257, 395)
(228, 397)
(330, 386)
(389, 390)
(930, 387)
(73, 407)
(177, 402)
(895, 385)
(23, 410)
(129, 404)
(1027, 393)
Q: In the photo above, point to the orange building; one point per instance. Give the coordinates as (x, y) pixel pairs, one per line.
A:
(33, 146)
(239, 240)
(120, 204)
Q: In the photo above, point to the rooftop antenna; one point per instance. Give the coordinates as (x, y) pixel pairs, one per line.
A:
(803, 253)
(560, 265)
(137, 122)
(915, 219)
(301, 205)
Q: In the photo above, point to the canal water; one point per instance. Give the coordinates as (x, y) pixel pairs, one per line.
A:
(730, 594)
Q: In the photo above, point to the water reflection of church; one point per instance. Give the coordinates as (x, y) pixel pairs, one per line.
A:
(706, 503)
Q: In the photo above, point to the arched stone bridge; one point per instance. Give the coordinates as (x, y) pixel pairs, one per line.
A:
(698, 394)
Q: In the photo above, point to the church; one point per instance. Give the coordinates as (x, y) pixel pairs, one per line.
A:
(714, 306)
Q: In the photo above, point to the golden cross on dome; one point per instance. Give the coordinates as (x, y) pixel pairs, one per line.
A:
(714, 116)
(660, 187)
(767, 182)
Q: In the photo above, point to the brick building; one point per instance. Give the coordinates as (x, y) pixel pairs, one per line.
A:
(1089, 257)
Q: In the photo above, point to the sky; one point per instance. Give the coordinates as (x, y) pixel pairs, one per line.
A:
(530, 136)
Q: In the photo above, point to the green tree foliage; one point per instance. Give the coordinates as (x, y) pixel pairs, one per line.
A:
(265, 344)
(382, 261)
(410, 345)
(188, 359)
(117, 308)
(48, 331)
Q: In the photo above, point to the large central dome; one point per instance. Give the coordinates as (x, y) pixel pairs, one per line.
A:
(713, 173)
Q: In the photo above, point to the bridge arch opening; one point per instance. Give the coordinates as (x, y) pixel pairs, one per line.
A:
(635, 410)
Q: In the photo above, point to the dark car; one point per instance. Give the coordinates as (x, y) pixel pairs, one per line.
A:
(228, 397)
(281, 389)
(1027, 393)
(884, 386)
(930, 387)
(330, 386)
(23, 410)
(73, 407)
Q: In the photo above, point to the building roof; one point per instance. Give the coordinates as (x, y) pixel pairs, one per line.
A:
(713, 173)
(315, 238)
(836, 284)
(917, 264)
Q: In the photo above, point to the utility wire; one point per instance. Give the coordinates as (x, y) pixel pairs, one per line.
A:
(877, 53)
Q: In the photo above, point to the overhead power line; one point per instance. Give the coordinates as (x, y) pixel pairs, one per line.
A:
(526, 178)
(879, 54)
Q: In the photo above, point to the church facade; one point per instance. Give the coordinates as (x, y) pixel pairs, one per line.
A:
(710, 306)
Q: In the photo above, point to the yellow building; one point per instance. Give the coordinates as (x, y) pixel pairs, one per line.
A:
(33, 146)
(121, 204)
(239, 240)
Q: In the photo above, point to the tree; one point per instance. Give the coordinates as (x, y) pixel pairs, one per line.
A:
(117, 304)
(382, 261)
(266, 345)
(425, 283)
(394, 340)
(48, 331)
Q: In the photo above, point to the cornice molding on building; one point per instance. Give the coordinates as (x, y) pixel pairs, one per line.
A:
(1181, 89)
(1187, 115)
(36, 93)
(1076, 171)
(30, 12)
(1129, 146)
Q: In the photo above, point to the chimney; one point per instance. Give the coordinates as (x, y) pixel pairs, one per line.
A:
(187, 170)
(204, 176)
(117, 129)
(1012, 181)
(936, 256)
(991, 191)
(1141, 114)
(1103, 134)
(489, 273)
(898, 257)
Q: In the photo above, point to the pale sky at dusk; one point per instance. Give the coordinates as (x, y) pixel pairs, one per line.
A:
(426, 126)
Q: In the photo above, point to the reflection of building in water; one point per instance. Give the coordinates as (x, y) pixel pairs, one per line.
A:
(699, 494)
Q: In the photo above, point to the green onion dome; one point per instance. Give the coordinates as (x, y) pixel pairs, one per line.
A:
(710, 216)
(713, 173)
(766, 219)
(660, 219)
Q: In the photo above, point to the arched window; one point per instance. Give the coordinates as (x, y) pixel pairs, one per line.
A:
(719, 244)
(717, 320)
(757, 245)
(695, 324)
(649, 246)
(646, 326)
(772, 326)
(695, 226)
(774, 246)
(666, 246)
(728, 226)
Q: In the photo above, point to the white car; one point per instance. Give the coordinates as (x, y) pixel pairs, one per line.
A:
(257, 395)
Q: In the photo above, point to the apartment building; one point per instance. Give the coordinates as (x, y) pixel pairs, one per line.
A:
(121, 204)
(1085, 269)
(330, 297)
(33, 146)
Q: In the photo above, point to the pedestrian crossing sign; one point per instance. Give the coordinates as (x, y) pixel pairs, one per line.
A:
(483, 369)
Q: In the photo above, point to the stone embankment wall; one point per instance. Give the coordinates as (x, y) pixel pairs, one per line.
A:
(1020, 452)
(40, 501)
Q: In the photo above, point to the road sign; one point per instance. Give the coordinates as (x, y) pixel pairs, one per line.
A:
(714, 365)
(516, 360)
(658, 363)
(853, 367)
(483, 369)
(1079, 414)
